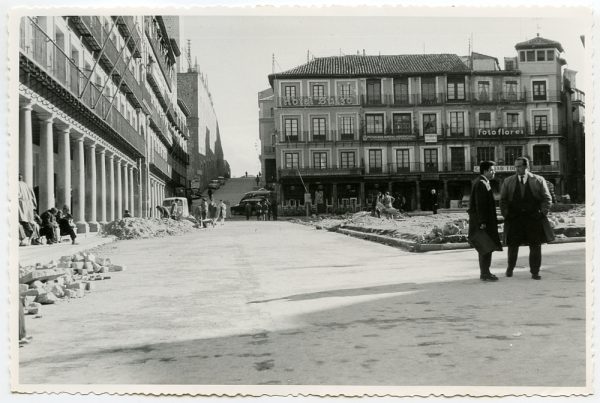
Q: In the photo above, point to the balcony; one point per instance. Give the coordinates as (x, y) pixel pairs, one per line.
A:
(39, 50)
(127, 28)
(549, 130)
(91, 30)
(160, 163)
(404, 168)
(309, 101)
(498, 97)
(318, 172)
(157, 47)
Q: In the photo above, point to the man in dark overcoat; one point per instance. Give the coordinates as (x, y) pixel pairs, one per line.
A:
(524, 203)
(482, 217)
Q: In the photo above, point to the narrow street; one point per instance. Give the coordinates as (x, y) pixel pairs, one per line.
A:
(279, 303)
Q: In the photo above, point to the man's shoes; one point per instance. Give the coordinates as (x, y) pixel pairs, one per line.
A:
(488, 277)
(536, 277)
(509, 273)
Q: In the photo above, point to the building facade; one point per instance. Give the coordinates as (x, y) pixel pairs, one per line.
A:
(206, 152)
(348, 127)
(100, 129)
(268, 140)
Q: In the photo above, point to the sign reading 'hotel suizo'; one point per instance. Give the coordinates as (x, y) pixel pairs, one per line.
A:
(316, 101)
(501, 131)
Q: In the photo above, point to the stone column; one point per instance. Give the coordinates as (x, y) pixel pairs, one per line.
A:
(101, 162)
(46, 169)
(334, 196)
(362, 196)
(119, 206)
(63, 178)
(446, 198)
(418, 194)
(125, 186)
(142, 211)
(79, 187)
(91, 196)
(131, 193)
(111, 187)
(26, 144)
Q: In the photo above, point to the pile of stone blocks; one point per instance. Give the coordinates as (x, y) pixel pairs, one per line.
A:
(71, 277)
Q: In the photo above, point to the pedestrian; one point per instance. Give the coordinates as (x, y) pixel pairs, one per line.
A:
(213, 212)
(482, 218)
(375, 209)
(203, 208)
(126, 214)
(524, 203)
(258, 211)
(23, 338)
(49, 226)
(257, 180)
(273, 206)
(265, 209)
(246, 174)
(162, 212)
(27, 202)
(434, 201)
(222, 212)
(65, 223)
(210, 193)
(248, 210)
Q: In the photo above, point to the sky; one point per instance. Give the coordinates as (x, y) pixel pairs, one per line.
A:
(236, 54)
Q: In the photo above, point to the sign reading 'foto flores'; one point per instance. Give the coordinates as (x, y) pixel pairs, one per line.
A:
(501, 131)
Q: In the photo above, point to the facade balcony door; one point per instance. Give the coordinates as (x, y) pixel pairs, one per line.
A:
(430, 158)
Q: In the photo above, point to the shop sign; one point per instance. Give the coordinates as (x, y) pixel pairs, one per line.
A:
(500, 131)
(307, 198)
(431, 138)
(317, 101)
(498, 168)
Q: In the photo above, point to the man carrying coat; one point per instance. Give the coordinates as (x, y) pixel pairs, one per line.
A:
(524, 203)
(482, 217)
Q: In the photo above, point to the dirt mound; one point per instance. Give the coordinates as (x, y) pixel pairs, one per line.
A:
(137, 228)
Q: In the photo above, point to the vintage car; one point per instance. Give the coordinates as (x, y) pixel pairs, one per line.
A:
(177, 207)
(240, 208)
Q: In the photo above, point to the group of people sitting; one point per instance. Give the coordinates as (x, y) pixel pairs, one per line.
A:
(383, 204)
(48, 228)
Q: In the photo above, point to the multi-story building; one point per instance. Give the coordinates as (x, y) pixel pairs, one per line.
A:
(348, 127)
(100, 126)
(268, 140)
(206, 152)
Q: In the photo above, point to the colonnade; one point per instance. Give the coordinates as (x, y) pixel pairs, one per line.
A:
(98, 183)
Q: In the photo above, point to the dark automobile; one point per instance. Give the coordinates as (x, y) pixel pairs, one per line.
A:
(260, 193)
(240, 208)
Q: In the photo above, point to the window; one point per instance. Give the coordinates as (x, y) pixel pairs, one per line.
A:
(402, 161)
(318, 90)
(509, 64)
(541, 55)
(374, 124)
(457, 123)
(428, 90)
(485, 120)
(512, 120)
(511, 153)
(429, 123)
(521, 56)
(320, 160)
(291, 160)
(375, 161)
(319, 128)
(373, 91)
(539, 90)
(289, 91)
(540, 124)
(457, 155)
(456, 88)
(431, 159)
(345, 90)
(347, 159)
(291, 129)
(401, 91)
(402, 124)
(531, 55)
(485, 154)
(483, 90)
(541, 154)
(347, 127)
(510, 90)
(550, 55)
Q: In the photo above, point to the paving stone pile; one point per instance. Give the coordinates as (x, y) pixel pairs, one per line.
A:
(138, 228)
(445, 227)
(71, 277)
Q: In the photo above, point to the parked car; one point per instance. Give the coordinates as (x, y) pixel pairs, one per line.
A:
(240, 208)
(262, 193)
(181, 210)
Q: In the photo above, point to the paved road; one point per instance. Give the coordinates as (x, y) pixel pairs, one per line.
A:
(278, 303)
(232, 191)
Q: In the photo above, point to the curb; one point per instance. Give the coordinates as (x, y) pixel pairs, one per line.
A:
(417, 247)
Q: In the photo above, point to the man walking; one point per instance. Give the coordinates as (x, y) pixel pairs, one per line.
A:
(482, 217)
(524, 203)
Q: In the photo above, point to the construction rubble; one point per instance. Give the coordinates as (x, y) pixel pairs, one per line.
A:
(139, 228)
(70, 277)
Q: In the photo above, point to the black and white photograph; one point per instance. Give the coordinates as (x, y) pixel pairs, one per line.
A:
(273, 201)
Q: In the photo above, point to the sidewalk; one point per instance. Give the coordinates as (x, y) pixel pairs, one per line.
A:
(44, 253)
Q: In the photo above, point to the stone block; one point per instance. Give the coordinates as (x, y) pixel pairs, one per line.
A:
(33, 308)
(41, 275)
(30, 299)
(103, 261)
(37, 284)
(58, 290)
(65, 259)
(76, 286)
(89, 257)
(574, 231)
(78, 258)
(46, 298)
(115, 267)
(33, 292)
(77, 265)
(89, 286)
(23, 288)
(88, 265)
